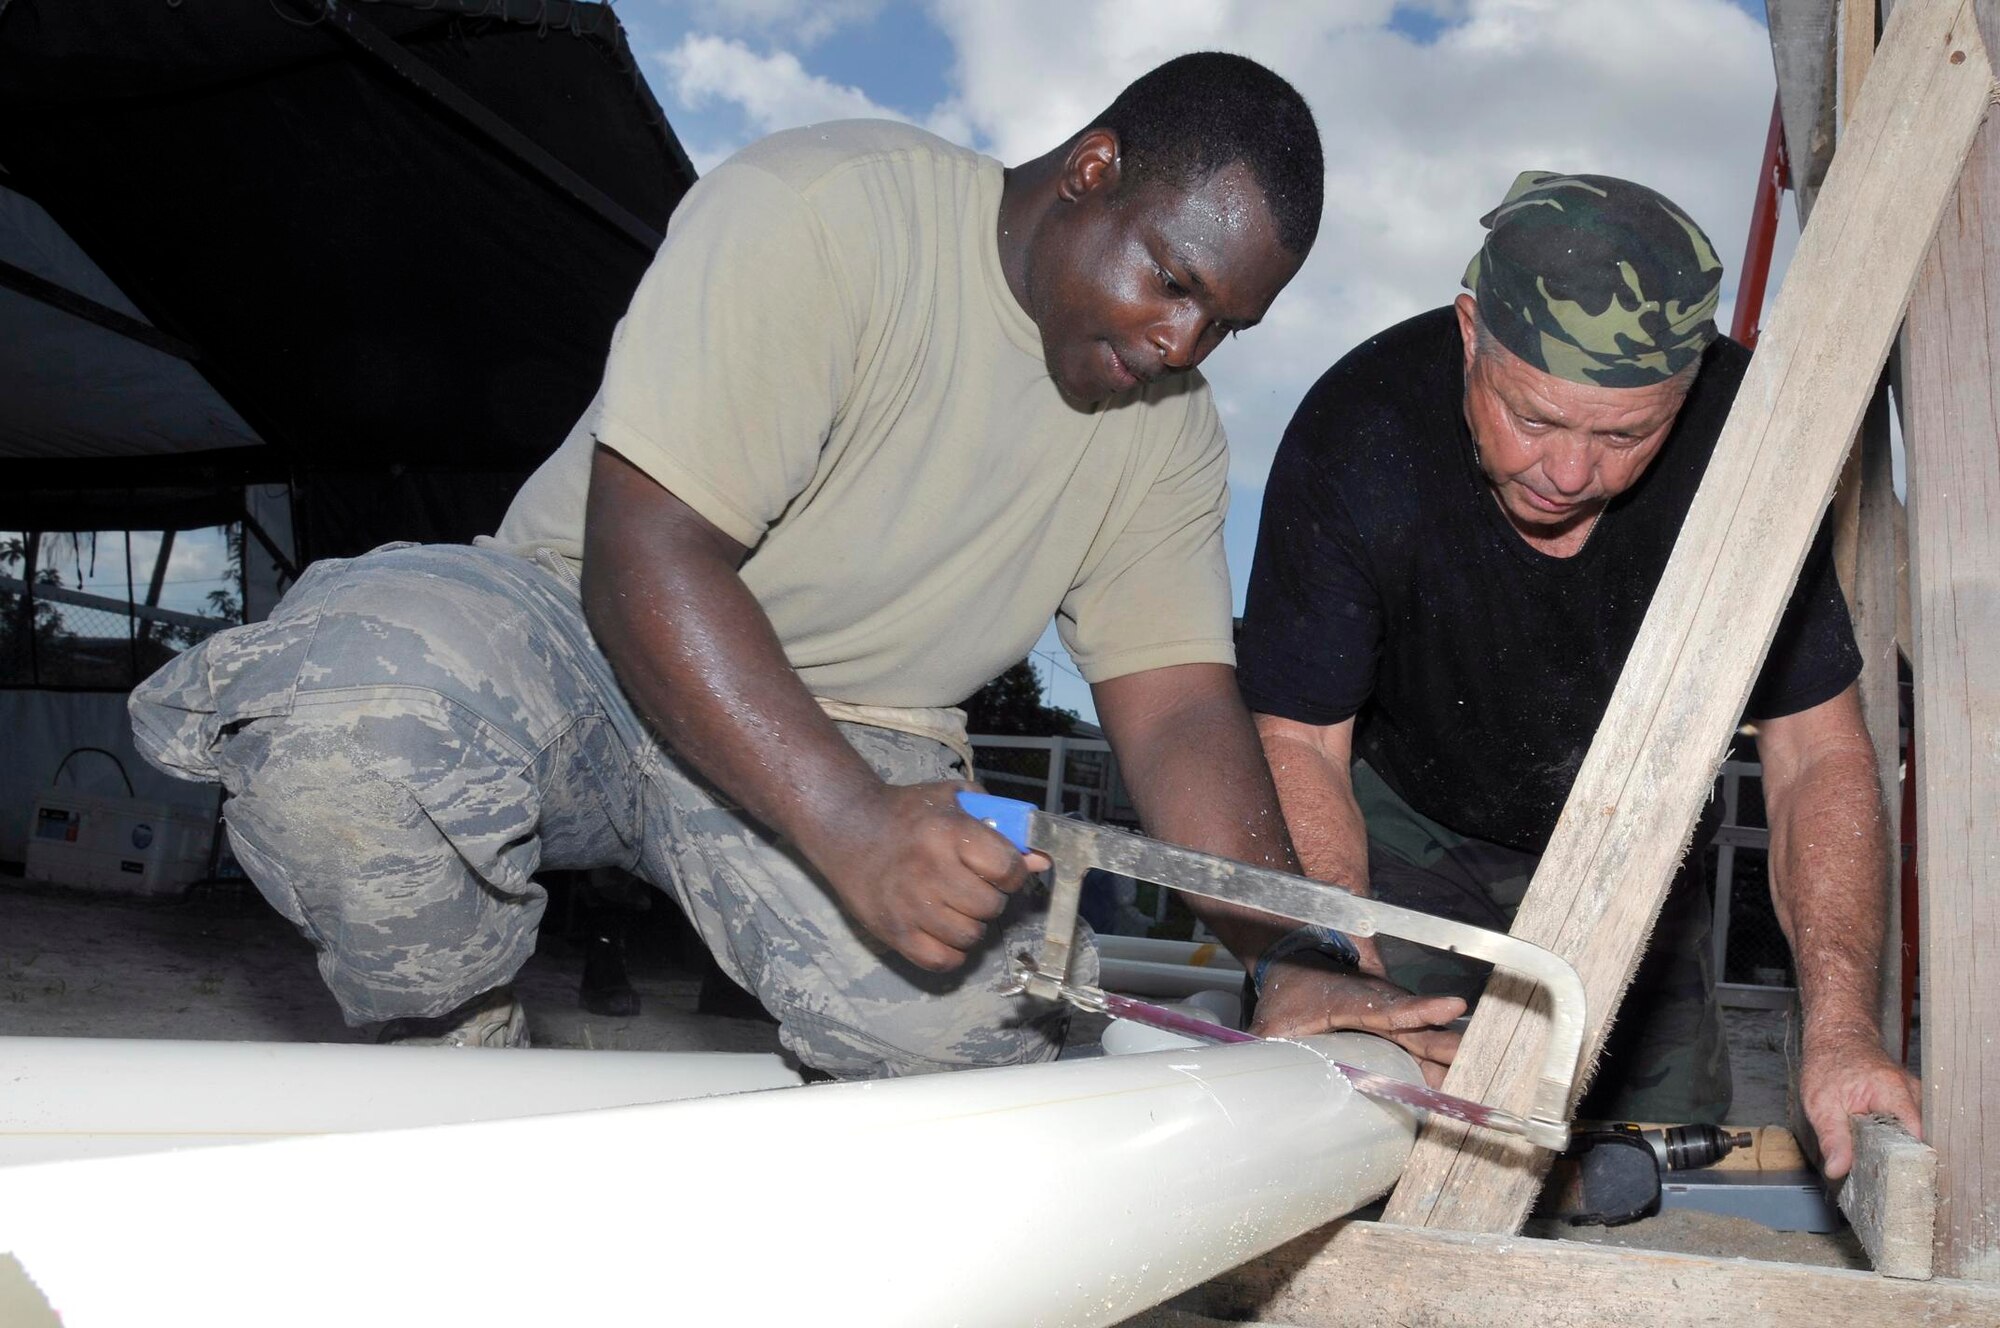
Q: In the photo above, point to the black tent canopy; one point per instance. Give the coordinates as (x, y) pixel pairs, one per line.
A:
(374, 251)
(330, 272)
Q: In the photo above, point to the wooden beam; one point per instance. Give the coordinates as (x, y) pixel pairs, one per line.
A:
(1890, 1197)
(1951, 365)
(1803, 46)
(1621, 835)
(1866, 559)
(1857, 52)
(1373, 1275)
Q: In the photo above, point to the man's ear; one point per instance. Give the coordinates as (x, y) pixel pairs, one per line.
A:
(1468, 327)
(1091, 166)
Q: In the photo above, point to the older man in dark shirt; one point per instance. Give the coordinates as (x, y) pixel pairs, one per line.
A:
(1465, 523)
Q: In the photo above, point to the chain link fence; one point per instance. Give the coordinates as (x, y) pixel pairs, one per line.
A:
(1750, 947)
(52, 637)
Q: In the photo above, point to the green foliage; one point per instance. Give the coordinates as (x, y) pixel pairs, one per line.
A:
(1012, 704)
(24, 619)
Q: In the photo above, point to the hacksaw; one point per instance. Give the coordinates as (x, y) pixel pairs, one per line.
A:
(1075, 847)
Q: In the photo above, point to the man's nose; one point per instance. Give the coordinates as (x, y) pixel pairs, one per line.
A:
(1566, 461)
(1179, 340)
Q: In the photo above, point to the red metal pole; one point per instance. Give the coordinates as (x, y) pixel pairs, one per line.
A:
(1772, 177)
(1912, 915)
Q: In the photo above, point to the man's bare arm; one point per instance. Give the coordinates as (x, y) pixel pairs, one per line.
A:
(1188, 755)
(1309, 765)
(703, 667)
(1192, 760)
(1829, 847)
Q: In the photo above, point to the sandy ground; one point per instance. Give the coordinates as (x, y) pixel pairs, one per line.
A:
(223, 966)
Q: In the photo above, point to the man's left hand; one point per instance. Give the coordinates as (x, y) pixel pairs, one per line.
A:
(1306, 995)
(1850, 1075)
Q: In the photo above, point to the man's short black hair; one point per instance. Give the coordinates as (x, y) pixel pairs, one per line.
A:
(1199, 113)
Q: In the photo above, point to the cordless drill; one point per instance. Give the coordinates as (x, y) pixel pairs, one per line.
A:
(1611, 1176)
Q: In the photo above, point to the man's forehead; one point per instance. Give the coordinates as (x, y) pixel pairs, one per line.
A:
(1220, 237)
(1226, 202)
(1579, 405)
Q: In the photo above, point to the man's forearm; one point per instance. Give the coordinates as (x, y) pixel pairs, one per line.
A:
(1829, 846)
(698, 658)
(1316, 792)
(1829, 869)
(1190, 757)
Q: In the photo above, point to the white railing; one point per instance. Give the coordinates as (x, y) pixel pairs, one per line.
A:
(1100, 798)
(1096, 793)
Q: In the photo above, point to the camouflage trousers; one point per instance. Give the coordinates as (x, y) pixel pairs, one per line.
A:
(1666, 1059)
(414, 734)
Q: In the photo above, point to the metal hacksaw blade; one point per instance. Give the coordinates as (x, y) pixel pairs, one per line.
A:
(1373, 1084)
(1077, 846)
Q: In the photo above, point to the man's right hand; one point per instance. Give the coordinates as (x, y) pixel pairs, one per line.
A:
(1306, 994)
(922, 876)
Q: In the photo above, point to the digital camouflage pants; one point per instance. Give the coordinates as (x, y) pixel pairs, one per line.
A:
(1666, 1059)
(414, 734)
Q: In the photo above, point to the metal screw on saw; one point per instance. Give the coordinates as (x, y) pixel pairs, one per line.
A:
(1026, 979)
(1016, 981)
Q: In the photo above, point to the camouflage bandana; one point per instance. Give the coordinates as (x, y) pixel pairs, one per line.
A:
(1595, 280)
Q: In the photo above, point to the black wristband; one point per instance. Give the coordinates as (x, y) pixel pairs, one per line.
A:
(1336, 946)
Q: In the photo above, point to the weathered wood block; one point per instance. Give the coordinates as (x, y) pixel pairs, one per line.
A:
(1890, 1197)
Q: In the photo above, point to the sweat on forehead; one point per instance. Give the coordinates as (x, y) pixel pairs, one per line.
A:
(1596, 280)
(1197, 114)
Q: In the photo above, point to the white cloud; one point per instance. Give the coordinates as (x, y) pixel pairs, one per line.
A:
(1421, 139)
(801, 22)
(97, 562)
(772, 91)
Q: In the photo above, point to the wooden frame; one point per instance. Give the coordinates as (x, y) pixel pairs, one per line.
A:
(1890, 1197)
(1951, 370)
(1372, 1275)
(1635, 801)
(1921, 147)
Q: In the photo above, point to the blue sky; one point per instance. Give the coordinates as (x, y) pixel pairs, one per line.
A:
(1427, 109)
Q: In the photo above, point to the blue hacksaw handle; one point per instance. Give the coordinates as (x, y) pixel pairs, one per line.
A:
(1007, 815)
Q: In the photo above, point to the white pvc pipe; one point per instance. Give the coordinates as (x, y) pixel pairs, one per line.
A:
(1073, 1193)
(1152, 949)
(89, 1097)
(1139, 977)
(1148, 966)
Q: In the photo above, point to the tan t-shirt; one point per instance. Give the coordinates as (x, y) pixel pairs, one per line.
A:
(825, 361)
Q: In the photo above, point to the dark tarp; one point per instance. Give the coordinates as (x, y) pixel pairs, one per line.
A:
(349, 214)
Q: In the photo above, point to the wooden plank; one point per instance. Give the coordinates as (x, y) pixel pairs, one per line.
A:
(1951, 366)
(1620, 837)
(1803, 53)
(1890, 1197)
(1857, 50)
(1373, 1275)
(1866, 559)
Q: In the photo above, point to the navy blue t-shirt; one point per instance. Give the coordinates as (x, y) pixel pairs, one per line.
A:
(1388, 585)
